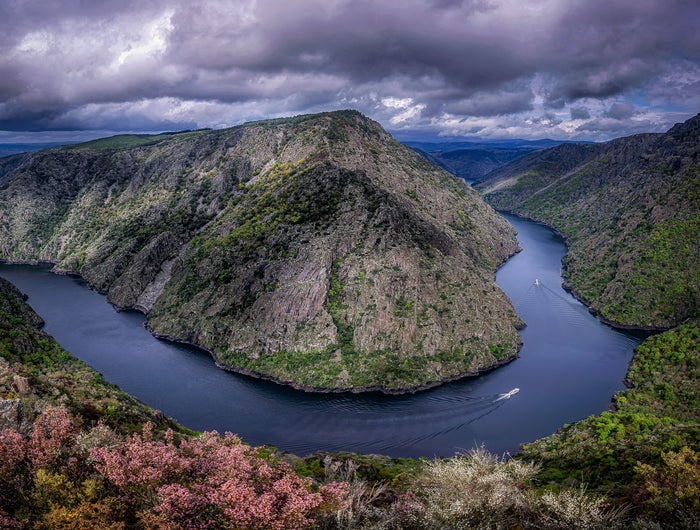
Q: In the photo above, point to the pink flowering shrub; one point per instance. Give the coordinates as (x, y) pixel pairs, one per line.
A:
(407, 511)
(62, 478)
(13, 471)
(212, 482)
(51, 444)
(9, 523)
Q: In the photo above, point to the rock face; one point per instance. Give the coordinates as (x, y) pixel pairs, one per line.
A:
(12, 416)
(630, 210)
(315, 250)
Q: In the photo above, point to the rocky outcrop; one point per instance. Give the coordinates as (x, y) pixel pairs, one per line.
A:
(315, 250)
(12, 416)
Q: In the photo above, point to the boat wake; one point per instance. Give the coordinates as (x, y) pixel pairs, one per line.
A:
(507, 395)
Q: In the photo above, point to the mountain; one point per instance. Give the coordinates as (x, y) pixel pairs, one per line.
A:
(515, 143)
(13, 149)
(472, 164)
(316, 251)
(472, 160)
(630, 212)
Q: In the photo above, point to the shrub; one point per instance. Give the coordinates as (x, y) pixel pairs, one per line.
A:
(62, 478)
(475, 490)
(212, 481)
(670, 491)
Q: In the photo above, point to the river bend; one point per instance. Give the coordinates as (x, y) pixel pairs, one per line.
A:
(569, 367)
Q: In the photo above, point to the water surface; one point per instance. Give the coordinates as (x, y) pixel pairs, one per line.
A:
(569, 367)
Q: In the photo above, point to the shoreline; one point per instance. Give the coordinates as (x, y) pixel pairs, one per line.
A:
(331, 390)
(265, 377)
(571, 290)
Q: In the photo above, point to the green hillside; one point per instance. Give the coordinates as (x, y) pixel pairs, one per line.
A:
(630, 213)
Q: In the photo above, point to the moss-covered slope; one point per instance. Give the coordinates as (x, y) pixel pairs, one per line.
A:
(630, 210)
(315, 250)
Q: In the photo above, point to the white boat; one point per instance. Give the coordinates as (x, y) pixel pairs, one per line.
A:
(508, 394)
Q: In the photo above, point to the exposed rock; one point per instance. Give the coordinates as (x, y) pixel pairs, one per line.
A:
(12, 416)
(21, 385)
(315, 250)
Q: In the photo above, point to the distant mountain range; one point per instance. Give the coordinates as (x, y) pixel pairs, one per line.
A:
(472, 160)
(13, 149)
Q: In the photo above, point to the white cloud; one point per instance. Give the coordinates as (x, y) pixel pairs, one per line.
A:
(151, 42)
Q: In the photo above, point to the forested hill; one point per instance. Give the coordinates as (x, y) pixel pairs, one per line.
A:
(316, 250)
(630, 211)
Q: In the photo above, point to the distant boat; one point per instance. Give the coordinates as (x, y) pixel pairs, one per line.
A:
(537, 282)
(508, 394)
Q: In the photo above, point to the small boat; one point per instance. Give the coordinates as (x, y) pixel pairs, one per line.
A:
(537, 282)
(508, 394)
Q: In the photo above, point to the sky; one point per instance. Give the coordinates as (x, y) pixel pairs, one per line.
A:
(425, 69)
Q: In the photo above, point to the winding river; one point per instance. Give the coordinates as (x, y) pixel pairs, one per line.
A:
(569, 367)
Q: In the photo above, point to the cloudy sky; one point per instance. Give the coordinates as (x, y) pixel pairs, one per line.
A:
(562, 69)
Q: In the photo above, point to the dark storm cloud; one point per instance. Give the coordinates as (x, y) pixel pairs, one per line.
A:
(611, 48)
(493, 103)
(494, 67)
(579, 113)
(614, 127)
(620, 111)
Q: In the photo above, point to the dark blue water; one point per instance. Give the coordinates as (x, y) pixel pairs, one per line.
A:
(569, 368)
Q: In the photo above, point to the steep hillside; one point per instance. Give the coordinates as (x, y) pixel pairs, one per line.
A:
(36, 374)
(473, 163)
(315, 250)
(630, 210)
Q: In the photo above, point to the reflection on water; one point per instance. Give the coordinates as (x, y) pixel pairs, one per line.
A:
(570, 366)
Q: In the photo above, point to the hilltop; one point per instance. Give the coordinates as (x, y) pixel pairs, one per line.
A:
(316, 251)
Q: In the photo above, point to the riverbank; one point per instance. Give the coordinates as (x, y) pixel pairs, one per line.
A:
(572, 290)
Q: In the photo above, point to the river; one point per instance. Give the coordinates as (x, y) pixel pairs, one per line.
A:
(569, 368)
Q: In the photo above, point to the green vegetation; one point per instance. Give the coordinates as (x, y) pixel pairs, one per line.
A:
(127, 141)
(631, 453)
(413, 195)
(630, 211)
